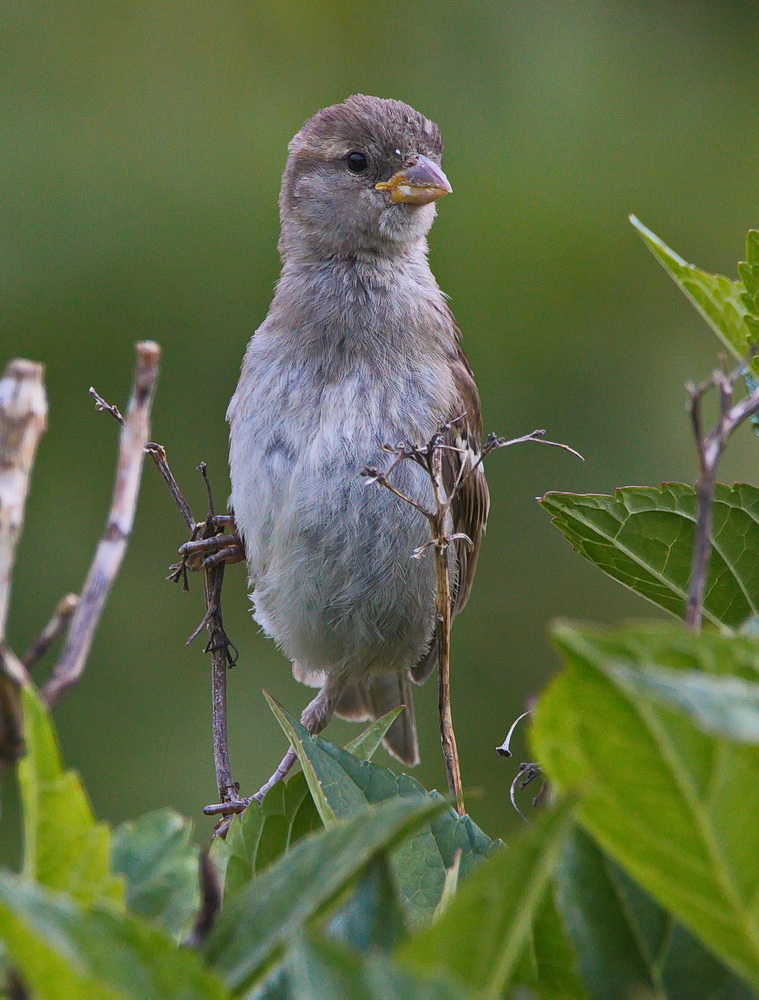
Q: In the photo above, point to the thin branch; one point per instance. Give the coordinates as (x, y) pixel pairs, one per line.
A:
(219, 646)
(158, 453)
(112, 546)
(430, 458)
(51, 632)
(372, 475)
(23, 417)
(710, 450)
(102, 407)
(205, 536)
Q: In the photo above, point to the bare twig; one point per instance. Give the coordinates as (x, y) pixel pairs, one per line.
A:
(158, 453)
(207, 534)
(443, 631)
(430, 458)
(219, 647)
(112, 546)
(50, 633)
(710, 450)
(102, 407)
(23, 416)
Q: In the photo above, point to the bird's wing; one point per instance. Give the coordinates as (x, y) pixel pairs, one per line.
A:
(472, 502)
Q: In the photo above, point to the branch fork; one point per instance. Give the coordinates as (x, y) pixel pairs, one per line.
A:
(710, 450)
(429, 457)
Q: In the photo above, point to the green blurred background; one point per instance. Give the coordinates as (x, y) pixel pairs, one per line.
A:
(142, 148)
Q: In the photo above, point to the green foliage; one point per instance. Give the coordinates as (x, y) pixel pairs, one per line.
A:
(373, 918)
(320, 970)
(485, 932)
(627, 944)
(65, 950)
(727, 306)
(643, 538)
(258, 922)
(345, 785)
(639, 881)
(676, 806)
(64, 848)
(261, 835)
(748, 270)
(159, 862)
(368, 743)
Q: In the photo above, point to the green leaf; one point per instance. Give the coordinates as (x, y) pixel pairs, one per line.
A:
(159, 862)
(749, 273)
(725, 706)
(64, 848)
(643, 538)
(258, 922)
(483, 934)
(720, 301)
(678, 808)
(262, 833)
(372, 919)
(65, 951)
(318, 969)
(347, 784)
(627, 944)
(291, 731)
(235, 855)
(549, 964)
(367, 743)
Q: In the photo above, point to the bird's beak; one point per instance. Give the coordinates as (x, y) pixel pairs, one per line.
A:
(418, 183)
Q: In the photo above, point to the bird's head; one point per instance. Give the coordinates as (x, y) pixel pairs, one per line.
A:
(362, 177)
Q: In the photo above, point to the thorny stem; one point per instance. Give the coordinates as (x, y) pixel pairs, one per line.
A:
(710, 450)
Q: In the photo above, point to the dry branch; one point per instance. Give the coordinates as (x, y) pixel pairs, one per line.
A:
(430, 458)
(51, 632)
(710, 450)
(205, 533)
(23, 419)
(112, 546)
(23, 416)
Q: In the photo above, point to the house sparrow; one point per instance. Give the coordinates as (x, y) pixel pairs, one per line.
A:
(359, 348)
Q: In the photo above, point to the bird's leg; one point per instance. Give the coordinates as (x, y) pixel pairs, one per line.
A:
(315, 717)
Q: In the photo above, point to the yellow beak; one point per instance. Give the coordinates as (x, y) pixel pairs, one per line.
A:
(418, 183)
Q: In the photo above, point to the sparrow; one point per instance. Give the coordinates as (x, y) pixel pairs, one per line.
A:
(359, 349)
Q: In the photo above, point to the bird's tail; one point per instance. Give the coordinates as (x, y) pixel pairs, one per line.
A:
(378, 696)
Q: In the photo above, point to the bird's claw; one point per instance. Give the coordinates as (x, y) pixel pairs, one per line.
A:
(204, 552)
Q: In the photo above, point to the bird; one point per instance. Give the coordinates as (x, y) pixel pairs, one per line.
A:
(359, 349)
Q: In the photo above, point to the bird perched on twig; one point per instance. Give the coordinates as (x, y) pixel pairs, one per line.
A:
(359, 348)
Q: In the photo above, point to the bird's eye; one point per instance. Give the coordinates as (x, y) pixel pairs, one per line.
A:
(356, 162)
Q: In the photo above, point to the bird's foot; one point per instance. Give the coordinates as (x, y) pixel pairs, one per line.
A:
(205, 552)
(208, 547)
